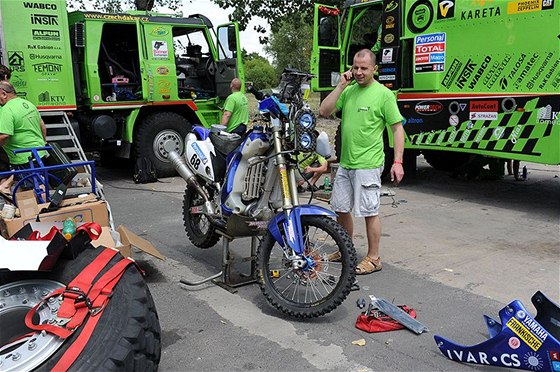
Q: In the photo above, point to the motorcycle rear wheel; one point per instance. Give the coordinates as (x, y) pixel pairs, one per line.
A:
(199, 229)
(322, 286)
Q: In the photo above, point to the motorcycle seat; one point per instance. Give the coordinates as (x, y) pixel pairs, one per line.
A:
(225, 143)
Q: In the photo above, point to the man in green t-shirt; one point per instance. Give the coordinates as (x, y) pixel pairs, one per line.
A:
(20, 126)
(367, 107)
(236, 109)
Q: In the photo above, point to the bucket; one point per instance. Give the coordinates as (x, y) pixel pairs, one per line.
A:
(9, 211)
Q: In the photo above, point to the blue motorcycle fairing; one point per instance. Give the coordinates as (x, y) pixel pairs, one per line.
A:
(521, 343)
(292, 225)
(233, 160)
(201, 132)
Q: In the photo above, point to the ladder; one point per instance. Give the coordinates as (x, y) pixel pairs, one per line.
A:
(60, 130)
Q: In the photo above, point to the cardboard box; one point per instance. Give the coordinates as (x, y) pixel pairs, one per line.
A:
(80, 209)
(125, 240)
(27, 203)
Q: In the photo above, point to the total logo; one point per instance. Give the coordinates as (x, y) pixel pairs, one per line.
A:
(428, 108)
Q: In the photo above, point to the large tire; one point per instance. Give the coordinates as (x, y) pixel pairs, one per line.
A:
(127, 337)
(446, 161)
(323, 287)
(199, 229)
(153, 132)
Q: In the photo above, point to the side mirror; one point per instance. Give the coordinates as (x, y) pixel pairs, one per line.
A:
(232, 38)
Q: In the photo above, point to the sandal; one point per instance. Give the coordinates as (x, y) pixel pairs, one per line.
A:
(368, 265)
(334, 257)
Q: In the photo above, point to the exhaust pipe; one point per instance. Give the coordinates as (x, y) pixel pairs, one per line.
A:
(184, 171)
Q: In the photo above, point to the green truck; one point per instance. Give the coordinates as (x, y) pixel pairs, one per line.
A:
(126, 82)
(471, 77)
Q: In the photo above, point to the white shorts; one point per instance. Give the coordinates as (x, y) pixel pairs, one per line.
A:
(357, 191)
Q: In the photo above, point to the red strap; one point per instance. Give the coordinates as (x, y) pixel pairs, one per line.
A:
(92, 229)
(36, 235)
(104, 288)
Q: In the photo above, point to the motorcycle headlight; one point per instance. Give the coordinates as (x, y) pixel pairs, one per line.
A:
(305, 141)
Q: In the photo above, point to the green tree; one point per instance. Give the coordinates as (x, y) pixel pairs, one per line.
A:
(259, 72)
(116, 6)
(291, 44)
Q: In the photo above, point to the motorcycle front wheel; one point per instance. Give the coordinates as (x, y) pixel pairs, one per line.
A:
(319, 287)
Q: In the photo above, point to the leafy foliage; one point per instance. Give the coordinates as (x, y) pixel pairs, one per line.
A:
(259, 71)
(291, 44)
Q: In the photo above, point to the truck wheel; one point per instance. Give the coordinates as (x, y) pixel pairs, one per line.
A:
(154, 131)
(446, 161)
(127, 337)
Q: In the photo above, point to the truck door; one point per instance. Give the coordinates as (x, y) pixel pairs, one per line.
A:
(326, 55)
(229, 64)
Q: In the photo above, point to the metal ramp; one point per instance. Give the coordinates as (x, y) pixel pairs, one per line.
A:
(60, 130)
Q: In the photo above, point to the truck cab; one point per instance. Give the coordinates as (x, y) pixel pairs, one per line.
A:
(471, 77)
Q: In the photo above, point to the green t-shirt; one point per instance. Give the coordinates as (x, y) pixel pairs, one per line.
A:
(238, 105)
(305, 160)
(20, 119)
(367, 110)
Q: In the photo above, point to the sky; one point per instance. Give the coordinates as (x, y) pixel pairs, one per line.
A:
(249, 38)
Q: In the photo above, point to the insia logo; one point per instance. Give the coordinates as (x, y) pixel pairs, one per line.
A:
(446, 9)
(428, 108)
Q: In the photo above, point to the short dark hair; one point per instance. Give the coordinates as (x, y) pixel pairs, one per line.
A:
(7, 87)
(366, 52)
(5, 73)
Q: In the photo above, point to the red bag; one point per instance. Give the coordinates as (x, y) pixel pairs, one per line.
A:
(377, 321)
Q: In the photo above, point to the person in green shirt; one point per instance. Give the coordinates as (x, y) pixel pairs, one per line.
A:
(236, 109)
(313, 166)
(367, 107)
(20, 126)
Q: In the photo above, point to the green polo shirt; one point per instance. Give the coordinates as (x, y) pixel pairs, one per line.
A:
(367, 110)
(20, 119)
(238, 105)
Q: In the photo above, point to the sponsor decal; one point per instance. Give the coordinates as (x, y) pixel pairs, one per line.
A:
(515, 134)
(514, 343)
(545, 115)
(446, 9)
(428, 108)
(386, 77)
(453, 120)
(525, 72)
(199, 153)
(465, 74)
(389, 38)
(547, 4)
(29, 5)
(392, 5)
(47, 68)
(46, 97)
(414, 121)
(44, 19)
(451, 73)
(483, 110)
(46, 35)
(549, 74)
(387, 55)
(42, 47)
(159, 49)
(159, 31)
(390, 22)
(480, 72)
(508, 360)
(480, 134)
(524, 6)
(533, 361)
(162, 70)
(388, 70)
(163, 87)
(33, 56)
(495, 70)
(480, 13)
(532, 82)
(16, 61)
(96, 98)
(498, 133)
(420, 16)
(18, 82)
(259, 225)
(430, 52)
(116, 17)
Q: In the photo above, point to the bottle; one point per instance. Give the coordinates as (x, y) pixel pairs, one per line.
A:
(326, 184)
(524, 173)
(69, 228)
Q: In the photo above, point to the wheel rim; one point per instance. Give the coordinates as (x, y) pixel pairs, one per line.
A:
(319, 278)
(20, 351)
(164, 136)
(199, 222)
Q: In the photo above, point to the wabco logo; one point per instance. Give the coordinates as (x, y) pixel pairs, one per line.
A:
(428, 108)
(39, 6)
(44, 19)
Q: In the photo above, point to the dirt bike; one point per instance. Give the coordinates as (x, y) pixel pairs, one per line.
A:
(246, 186)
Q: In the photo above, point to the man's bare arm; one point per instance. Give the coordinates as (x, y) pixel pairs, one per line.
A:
(328, 106)
(3, 139)
(397, 172)
(44, 130)
(225, 117)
